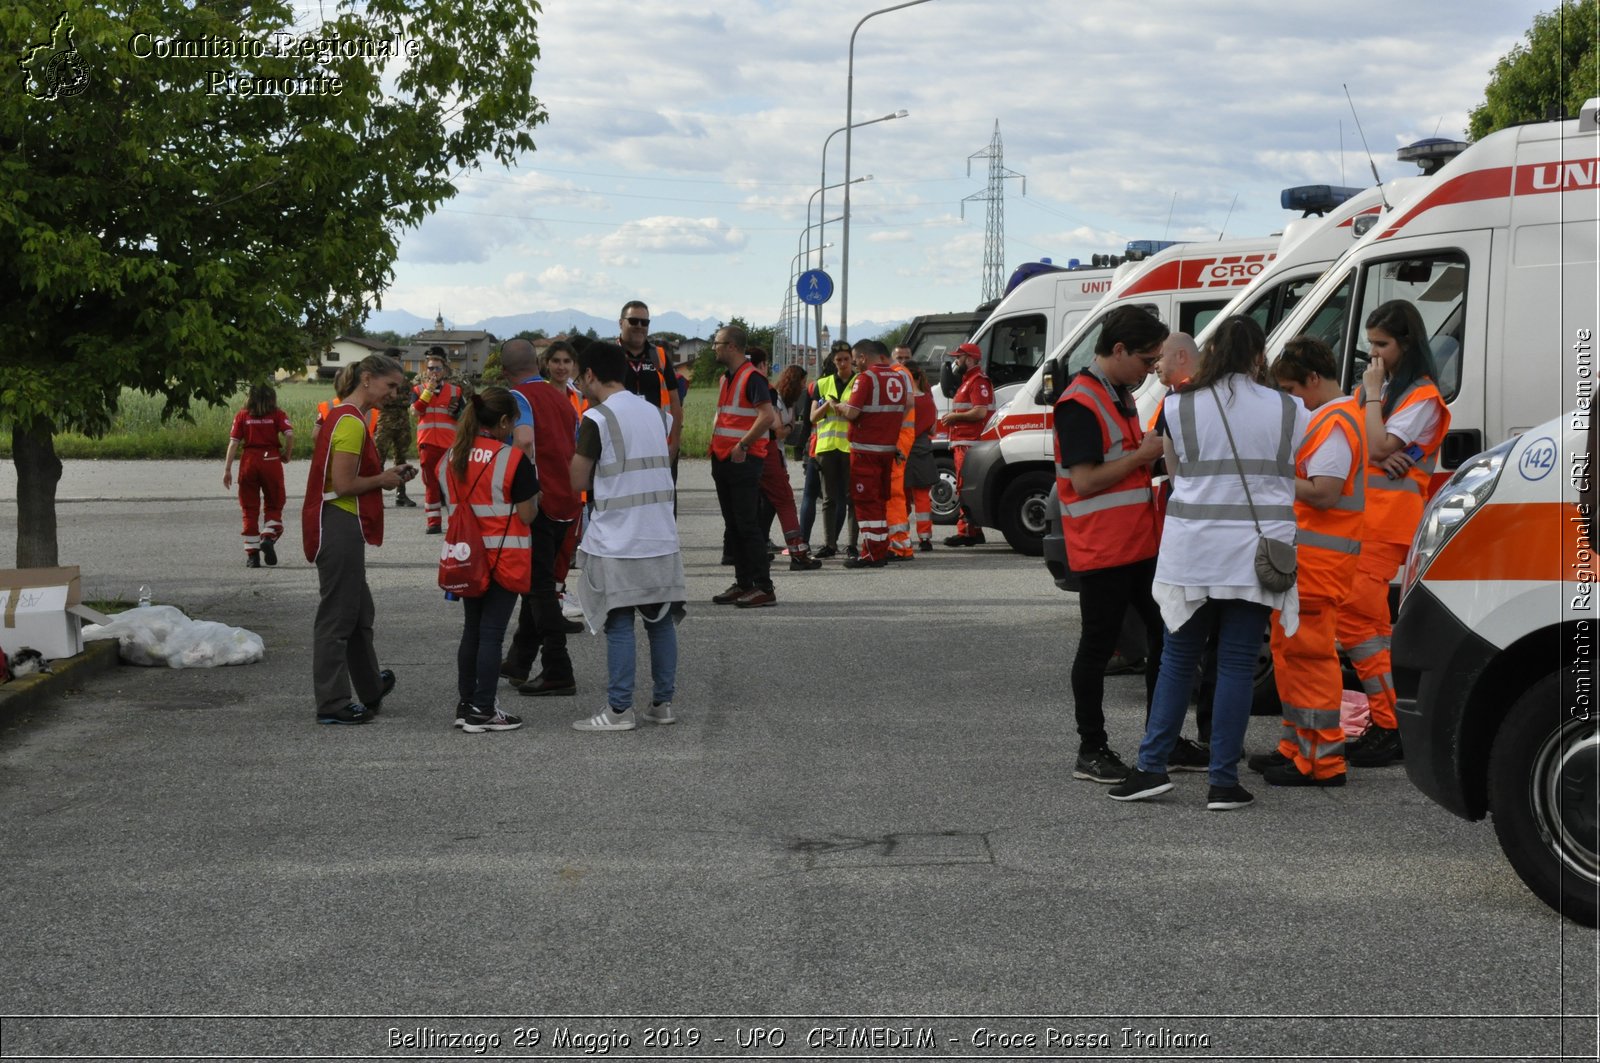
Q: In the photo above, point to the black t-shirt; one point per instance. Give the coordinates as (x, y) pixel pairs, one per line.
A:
(756, 390)
(646, 382)
(1078, 433)
(525, 480)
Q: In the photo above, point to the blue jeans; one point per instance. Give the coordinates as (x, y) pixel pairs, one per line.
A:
(663, 633)
(478, 656)
(1241, 626)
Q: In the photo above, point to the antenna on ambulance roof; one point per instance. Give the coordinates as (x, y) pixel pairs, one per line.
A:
(1364, 147)
(1229, 218)
(1173, 206)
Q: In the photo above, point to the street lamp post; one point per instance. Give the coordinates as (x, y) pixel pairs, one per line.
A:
(823, 185)
(849, 110)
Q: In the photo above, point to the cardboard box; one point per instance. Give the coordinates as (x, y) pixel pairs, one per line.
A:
(42, 608)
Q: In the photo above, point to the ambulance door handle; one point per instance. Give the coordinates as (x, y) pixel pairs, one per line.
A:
(1458, 446)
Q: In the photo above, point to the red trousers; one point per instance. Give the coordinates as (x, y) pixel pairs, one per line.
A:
(964, 526)
(779, 493)
(432, 500)
(1311, 688)
(870, 477)
(261, 488)
(1364, 627)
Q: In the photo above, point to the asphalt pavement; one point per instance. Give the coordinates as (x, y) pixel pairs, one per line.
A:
(865, 821)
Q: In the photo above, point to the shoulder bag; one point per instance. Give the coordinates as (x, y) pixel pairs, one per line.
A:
(1276, 566)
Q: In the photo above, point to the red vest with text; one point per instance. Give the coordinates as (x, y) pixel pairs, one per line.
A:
(555, 431)
(734, 418)
(486, 487)
(435, 426)
(1394, 507)
(883, 395)
(1328, 541)
(369, 507)
(1118, 525)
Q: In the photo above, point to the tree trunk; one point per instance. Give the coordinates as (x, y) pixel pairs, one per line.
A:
(33, 452)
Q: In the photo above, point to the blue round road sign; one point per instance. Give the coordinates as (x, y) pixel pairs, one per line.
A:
(815, 287)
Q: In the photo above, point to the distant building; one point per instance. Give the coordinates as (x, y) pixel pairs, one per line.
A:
(342, 352)
(466, 350)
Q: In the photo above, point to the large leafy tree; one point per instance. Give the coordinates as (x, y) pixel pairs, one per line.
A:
(167, 225)
(1556, 66)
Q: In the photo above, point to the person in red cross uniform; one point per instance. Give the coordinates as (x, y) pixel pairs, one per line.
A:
(438, 404)
(969, 410)
(876, 409)
(262, 434)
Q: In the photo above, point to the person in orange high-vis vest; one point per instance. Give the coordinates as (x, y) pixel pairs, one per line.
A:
(438, 404)
(342, 515)
(738, 456)
(502, 486)
(1330, 493)
(1405, 419)
(897, 510)
(969, 410)
(1108, 519)
(879, 400)
(326, 405)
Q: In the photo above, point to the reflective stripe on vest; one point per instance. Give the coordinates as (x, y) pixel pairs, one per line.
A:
(1334, 533)
(623, 463)
(1394, 508)
(505, 535)
(877, 429)
(833, 431)
(734, 418)
(1116, 526)
(435, 426)
(967, 431)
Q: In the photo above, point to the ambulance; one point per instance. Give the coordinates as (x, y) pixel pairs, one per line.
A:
(1497, 252)
(1009, 478)
(1494, 649)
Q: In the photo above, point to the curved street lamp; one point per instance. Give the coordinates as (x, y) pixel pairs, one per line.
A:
(823, 185)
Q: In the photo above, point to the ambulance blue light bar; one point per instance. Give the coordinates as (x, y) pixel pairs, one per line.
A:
(1315, 199)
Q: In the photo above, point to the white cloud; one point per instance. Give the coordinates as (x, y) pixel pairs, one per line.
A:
(899, 236)
(565, 280)
(670, 235)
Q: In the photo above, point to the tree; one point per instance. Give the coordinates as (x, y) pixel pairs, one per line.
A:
(895, 336)
(530, 334)
(179, 226)
(1557, 66)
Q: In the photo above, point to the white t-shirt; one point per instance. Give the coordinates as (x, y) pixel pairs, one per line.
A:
(1332, 458)
(1415, 422)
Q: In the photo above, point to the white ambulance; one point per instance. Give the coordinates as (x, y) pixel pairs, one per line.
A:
(1494, 648)
(1009, 480)
(1497, 251)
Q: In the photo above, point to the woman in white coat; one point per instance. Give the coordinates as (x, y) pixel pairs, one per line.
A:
(1225, 497)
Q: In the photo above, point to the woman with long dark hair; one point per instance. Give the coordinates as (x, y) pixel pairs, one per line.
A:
(1231, 455)
(1406, 420)
(262, 433)
(484, 471)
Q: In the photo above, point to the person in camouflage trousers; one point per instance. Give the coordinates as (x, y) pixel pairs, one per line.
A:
(394, 433)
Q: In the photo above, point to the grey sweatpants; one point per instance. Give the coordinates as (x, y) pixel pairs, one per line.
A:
(342, 655)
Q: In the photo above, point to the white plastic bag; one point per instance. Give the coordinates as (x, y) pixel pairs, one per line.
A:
(162, 634)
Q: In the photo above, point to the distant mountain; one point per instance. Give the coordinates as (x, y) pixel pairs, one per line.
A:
(558, 321)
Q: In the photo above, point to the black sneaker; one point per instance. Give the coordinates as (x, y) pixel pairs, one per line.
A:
(355, 712)
(957, 540)
(852, 552)
(826, 552)
(402, 502)
(252, 559)
(385, 677)
(463, 710)
(477, 720)
(1140, 785)
(1289, 775)
(1377, 747)
(269, 551)
(803, 563)
(1227, 798)
(1263, 762)
(926, 545)
(1100, 765)
(1188, 755)
(865, 562)
(1120, 665)
(434, 529)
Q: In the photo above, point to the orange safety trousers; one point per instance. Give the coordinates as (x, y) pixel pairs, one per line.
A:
(898, 513)
(922, 511)
(1311, 688)
(1364, 626)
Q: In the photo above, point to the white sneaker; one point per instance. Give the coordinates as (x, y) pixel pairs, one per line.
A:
(570, 607)
(659, 712)
(606, 720)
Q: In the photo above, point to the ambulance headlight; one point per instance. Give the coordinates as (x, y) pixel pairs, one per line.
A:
(991, 425)
(1449, 509)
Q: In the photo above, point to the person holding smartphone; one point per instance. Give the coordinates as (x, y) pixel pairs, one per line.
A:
(1405, 420)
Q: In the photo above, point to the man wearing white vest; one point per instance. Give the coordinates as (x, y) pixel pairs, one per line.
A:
(630, 556)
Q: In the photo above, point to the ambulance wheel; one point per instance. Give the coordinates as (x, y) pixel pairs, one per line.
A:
(942, 495)
(1544, 785)
(1024, 514)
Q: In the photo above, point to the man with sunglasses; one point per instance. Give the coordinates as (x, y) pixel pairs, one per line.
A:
(1109, 518)
(649, 374)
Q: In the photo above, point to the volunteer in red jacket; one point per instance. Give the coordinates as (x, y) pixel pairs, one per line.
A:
(438, 404)
(1405, 419)
(546, 431)
(1329, 499)
(262, 433)
(738, 455)
(341, 516)
(496, 479)
(879, 399)
(1108, 519)
(969, 410)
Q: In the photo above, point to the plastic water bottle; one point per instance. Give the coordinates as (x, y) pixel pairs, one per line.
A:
(144, 595)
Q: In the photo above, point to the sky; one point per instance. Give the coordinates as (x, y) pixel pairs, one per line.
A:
(682, 145)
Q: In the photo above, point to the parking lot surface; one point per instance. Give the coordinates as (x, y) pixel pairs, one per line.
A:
(864, 820)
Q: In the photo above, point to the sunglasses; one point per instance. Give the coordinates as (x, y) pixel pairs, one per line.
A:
(639, 322)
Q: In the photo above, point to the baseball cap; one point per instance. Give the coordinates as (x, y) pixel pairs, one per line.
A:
(971, 350)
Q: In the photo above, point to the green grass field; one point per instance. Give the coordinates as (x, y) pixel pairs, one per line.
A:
(137, 431)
